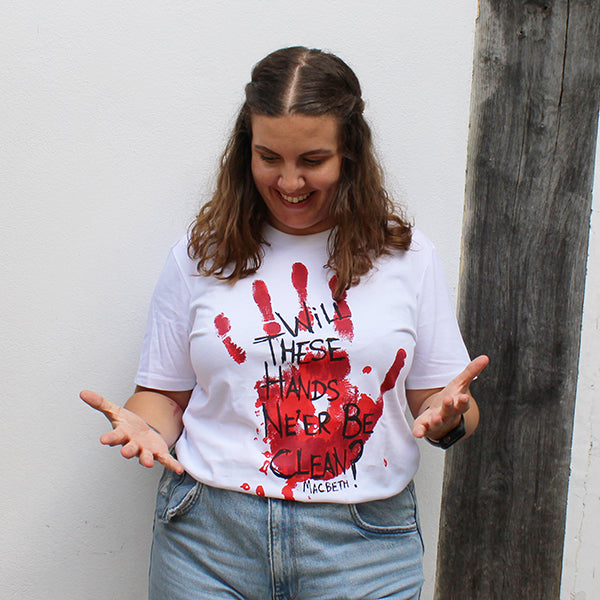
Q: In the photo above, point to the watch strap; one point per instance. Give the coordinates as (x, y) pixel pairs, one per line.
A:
(451, 437)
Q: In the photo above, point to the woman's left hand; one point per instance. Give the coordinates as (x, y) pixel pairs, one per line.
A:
(441, 412)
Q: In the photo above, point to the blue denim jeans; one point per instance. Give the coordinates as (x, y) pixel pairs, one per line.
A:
(211, 543)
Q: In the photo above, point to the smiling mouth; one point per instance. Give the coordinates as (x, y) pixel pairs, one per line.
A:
(294, 199)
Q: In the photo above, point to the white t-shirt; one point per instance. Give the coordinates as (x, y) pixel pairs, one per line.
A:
(294, 395)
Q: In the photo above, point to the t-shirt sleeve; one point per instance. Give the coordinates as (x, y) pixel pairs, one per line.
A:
(165, 357)
(440, 353)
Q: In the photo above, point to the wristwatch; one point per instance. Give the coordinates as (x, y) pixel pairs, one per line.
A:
(451, 437)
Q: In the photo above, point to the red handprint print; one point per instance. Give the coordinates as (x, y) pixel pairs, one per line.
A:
(316, 422)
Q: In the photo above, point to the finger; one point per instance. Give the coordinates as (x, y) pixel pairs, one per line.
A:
(435, 419)
(114, 438)
(130, 449)
(100, 403)
(146, 459)
(419, 429)
(169, 462)
(455, 405)
(472, 370)
(447, 403)
(424, 423)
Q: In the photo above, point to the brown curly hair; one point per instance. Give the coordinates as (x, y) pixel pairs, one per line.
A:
(226, 237)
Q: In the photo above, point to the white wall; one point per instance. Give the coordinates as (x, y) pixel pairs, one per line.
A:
(113, 117)
(581, 568)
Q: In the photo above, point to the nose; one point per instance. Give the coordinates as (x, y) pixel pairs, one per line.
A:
(290, 179)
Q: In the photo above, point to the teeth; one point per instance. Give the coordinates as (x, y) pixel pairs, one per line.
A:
(294, 199)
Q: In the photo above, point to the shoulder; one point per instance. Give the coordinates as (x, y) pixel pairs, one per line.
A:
(410, 264)
(420, 242)
(414, 263)
(419, 255)
(422, 252)
(179, 255)
(178, 268)
(181, 245)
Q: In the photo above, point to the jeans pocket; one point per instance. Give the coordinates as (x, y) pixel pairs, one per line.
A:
(395, 515)
(177, 494)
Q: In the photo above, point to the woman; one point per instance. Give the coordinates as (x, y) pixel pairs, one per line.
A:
(287, 335)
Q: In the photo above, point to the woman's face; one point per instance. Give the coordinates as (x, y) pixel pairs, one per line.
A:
(296, 164)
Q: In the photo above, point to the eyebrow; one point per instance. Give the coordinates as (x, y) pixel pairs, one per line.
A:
(319, 151)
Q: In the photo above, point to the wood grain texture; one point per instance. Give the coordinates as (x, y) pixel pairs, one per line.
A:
(532, 140)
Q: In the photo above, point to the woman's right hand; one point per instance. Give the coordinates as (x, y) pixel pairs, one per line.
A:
(133, 433)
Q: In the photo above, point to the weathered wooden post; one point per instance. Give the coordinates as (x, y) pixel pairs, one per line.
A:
(534, 116)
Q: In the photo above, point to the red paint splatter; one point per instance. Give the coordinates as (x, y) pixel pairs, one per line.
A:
(260, 491)
(343, 319)
(392, 375)
(367, 370)
(385, 463)
(245, 486)
(223, 327)
(261, 296)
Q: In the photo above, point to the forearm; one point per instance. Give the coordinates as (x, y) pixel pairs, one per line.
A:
(472, 417)
(159, 411)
